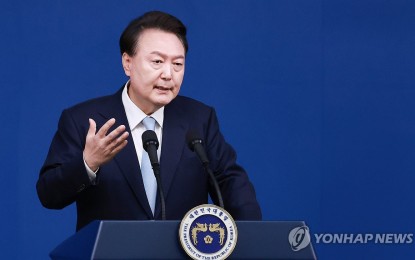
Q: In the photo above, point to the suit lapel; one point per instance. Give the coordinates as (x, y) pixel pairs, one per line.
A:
(126, 159)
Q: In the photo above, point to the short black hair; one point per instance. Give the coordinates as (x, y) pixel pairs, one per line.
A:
(151, 20)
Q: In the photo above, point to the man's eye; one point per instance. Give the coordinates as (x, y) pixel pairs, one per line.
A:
(178, 64)
(157, 61)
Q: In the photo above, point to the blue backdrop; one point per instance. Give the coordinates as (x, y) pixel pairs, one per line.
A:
(329, 84)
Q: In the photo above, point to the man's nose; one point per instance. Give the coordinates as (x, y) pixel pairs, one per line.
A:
(166, 73)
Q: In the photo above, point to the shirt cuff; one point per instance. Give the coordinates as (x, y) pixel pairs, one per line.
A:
(91, 174)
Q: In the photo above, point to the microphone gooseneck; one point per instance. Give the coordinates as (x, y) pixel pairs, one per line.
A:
(150, 145)
(195, 144)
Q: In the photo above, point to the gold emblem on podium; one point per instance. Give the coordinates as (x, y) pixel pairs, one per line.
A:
(208, 232)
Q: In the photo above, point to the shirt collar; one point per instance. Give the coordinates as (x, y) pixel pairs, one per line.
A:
(134, 114)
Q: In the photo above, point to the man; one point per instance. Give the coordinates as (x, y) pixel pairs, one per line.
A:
(96, 153)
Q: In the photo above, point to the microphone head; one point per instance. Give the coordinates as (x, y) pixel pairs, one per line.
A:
(192, 138)
(149, 137)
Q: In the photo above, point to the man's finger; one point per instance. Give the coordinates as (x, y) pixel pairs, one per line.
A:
(114, 134)
(104, 129)
(119, 147)
(119, 138)
(92, 127)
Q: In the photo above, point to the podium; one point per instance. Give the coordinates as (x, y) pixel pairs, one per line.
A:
(160, 240)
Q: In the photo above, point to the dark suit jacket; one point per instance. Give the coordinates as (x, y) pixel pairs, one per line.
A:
(119, 191)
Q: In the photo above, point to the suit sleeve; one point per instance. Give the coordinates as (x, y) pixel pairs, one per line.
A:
(63, 176)
(237, 190)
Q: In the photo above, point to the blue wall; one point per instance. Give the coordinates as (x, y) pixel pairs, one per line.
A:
(329, 84)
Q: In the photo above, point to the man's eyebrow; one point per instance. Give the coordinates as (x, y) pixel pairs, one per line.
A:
(164, 55)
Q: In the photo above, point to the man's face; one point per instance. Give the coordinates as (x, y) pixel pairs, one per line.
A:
(156, 70)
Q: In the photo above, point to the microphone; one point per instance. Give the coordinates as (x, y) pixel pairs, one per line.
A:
(150, 145)
(195, 144)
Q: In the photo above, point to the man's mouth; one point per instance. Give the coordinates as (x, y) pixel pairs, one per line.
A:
(163, 88)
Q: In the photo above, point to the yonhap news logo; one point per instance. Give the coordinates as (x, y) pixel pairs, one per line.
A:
(364, 238)
(299, 238)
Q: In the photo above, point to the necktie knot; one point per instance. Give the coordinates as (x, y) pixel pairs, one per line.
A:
(149, 123)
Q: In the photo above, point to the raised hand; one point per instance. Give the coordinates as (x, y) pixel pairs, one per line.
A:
(101, 147)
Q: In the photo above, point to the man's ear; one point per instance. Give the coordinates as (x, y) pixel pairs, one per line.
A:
(126, 63)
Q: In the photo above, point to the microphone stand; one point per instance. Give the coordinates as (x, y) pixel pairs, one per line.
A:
(195, 144)
(215, 184)
(156, 170)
